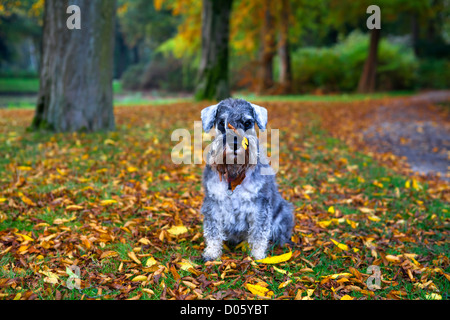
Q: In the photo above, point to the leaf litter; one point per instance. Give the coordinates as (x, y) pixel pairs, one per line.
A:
(116, 207)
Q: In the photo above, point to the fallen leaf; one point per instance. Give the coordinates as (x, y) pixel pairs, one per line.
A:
(177, 230)
(276, 259)
(340, 245)
(259, 290)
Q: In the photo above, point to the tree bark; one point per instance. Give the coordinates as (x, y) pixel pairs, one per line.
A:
(77, 68)
(367, 82)
(268, 48)
(213, 78)
(284, 49)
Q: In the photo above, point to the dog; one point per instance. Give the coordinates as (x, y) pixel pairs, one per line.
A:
(241, 199)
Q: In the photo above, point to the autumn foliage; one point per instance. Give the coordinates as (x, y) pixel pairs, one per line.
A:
(115, 206)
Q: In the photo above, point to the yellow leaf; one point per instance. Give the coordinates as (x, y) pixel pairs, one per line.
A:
(346, 297)
(3, 200)
(26, 200)
(392, 258)
(144, 241)
(150, 262)
(133, 257)
(108, 254)
(433, 296)
(331, 210)
(281, 271)
(378, 184)
(352, 223)
(109, 142)
(259, 290)
(24, 237)
(139, 278)
(107, 202)
(132, 169)
(243, 246)
(408, 184)
(337, 275)
(177, 230)
(276, 259)
(74, 207)
(245, 143)
(284, 284)
(24, 168)
(148, 291)
(326, 223)
(340, 245)
(373, 218)
(366, 210)
(61, 221)
(18, 296)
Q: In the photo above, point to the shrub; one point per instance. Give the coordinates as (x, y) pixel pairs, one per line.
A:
(434, 74)
(339, 68)
(132, 77)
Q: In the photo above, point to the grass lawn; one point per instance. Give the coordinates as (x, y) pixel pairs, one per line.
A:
(108, 203)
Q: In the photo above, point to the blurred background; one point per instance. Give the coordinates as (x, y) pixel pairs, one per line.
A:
(291, 47)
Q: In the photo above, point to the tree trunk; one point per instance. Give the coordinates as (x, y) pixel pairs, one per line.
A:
(284, 49)
(213, 78)
(77, 68)
(415, 27)
(367, 82)
(268, 48)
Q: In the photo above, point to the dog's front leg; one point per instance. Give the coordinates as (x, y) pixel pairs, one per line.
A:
(260, 227)
(212, 231)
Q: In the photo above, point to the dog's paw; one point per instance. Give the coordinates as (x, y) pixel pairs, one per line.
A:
(207, 258)
(211, 253)
(259, 254)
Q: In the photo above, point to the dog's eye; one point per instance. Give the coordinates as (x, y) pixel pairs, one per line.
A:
(248, 124)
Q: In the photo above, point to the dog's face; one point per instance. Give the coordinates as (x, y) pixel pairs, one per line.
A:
(234, 121)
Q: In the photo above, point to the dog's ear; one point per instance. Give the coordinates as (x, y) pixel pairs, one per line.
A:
(209, 117)
(260, 116)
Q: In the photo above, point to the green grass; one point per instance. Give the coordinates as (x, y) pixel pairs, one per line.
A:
(19, 85)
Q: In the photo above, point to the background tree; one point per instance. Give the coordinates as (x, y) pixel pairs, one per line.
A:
(353, 13)
(213, 80)
(284, 47)
(77, 68)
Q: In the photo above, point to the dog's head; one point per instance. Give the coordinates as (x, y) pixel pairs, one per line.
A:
(234, 121)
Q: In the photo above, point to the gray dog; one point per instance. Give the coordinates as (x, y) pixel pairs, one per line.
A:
(241, 200)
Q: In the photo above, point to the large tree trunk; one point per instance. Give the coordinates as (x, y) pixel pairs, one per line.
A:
(213, 79)
(268, 48)
(77, 68)
(367, 82)
(284, 49)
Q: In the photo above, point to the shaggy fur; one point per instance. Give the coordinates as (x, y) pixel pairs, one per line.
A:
(255, 211)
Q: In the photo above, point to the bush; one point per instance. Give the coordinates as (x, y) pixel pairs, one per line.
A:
(132, 77)
(163, 73)
(434, 74)
(339, 68)
(169, 74)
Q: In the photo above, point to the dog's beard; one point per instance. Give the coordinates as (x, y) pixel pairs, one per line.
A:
(230, 163)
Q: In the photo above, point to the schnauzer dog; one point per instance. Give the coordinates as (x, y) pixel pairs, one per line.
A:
(241, 201)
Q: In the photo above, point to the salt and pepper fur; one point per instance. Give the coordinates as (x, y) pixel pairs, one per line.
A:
(255, 212)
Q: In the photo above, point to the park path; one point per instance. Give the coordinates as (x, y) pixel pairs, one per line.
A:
(417, 128)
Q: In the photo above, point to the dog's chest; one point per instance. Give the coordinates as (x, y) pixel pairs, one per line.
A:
(237, 208)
